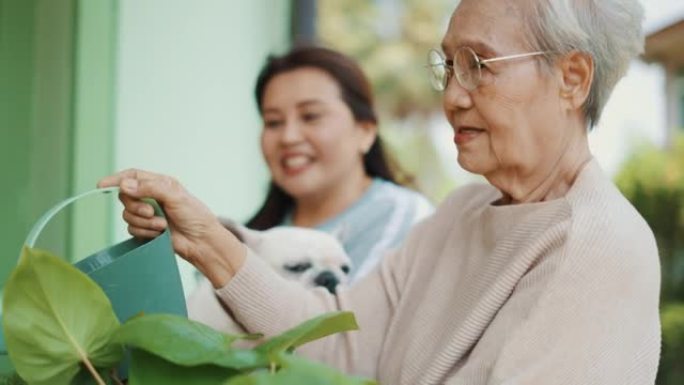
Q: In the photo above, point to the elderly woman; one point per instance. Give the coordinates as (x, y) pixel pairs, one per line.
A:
(546, 276)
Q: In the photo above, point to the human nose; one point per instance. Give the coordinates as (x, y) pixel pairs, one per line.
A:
(456, 97)
(292, 132)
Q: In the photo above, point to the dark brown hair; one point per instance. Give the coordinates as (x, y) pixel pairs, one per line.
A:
(356, 94)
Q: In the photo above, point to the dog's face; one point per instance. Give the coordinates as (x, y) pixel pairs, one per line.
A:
(312, 257)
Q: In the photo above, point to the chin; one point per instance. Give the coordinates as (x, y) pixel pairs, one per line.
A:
(297, 186)
(471, 164)
(300, 185)
(298, 191)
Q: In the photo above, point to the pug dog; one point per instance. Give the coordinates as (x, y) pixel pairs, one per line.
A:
(314, 258)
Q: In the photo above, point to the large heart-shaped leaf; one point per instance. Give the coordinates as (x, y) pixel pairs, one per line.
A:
(297, 371)
(11, 379)
(55, 318)
(185, 342)
(148, 369)
(310, 330)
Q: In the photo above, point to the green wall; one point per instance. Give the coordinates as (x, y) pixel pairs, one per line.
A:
(16, 62)
(35, 108)
(56, 84)
(93, 149)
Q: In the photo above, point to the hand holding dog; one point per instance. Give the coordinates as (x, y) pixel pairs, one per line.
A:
(196, 233)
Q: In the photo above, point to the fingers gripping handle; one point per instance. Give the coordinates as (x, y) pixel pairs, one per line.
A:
(43, 221)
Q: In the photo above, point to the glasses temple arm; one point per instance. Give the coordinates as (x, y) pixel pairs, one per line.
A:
(510, 57)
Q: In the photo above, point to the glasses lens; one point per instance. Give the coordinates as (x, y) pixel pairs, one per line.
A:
(467, 68)
(437, 70)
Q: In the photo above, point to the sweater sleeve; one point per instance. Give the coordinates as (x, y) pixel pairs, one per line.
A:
(586, 318)
(264, 302)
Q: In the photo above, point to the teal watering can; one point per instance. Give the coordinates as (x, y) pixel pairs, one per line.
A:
(138, 276)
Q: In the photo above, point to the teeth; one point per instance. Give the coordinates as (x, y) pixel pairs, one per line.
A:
(296, 161)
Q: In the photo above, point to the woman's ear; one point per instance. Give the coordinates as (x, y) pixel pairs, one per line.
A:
(577, 70)
(369, 131)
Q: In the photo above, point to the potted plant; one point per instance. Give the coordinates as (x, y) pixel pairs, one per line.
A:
(60, 328)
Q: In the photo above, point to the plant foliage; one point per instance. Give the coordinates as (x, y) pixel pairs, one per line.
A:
(60, 329)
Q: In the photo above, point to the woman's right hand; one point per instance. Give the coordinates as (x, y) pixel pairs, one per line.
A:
(196, 233)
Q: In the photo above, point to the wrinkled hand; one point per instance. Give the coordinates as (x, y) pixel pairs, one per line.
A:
(196, 233)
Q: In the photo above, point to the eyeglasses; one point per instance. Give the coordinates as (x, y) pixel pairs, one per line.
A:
(467, 67)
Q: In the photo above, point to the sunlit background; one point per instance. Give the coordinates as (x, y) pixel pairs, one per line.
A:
(88, 87)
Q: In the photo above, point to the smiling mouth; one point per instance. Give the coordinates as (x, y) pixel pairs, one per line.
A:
(295, 163)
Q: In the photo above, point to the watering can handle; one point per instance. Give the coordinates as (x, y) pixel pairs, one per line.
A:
(43, 221)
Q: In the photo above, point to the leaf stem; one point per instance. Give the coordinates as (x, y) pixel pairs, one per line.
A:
(273, 367)
(94, 372)
(115, 376)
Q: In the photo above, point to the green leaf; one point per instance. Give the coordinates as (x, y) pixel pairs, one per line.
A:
(85, 378)
(297, 371)
(308, 331)
(54, 319)
(261, 377)
(11, 379)
(148, 369)
(185, 342)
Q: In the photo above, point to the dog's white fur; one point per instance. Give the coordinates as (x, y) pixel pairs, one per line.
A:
(311, 257)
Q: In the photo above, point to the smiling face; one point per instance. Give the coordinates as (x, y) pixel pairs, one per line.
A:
(513, 126)
(310, 140)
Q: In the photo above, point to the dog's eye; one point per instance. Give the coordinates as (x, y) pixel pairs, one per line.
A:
(345, 269)
(298, 268)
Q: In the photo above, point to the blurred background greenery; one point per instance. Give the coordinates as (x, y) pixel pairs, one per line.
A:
(653, 180)
(391, 40)
(88, 87)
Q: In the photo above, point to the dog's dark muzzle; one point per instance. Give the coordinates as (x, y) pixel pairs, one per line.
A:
(328, 280)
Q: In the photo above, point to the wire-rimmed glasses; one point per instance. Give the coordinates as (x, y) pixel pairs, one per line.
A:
(466, 66)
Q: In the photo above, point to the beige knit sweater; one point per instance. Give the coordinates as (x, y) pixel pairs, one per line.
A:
(558, 292)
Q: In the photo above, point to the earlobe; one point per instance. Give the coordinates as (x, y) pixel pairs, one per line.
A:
(365, 148)
(577, 70)
(370, 132)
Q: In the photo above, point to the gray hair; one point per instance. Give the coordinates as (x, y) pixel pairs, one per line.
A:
(608, 30)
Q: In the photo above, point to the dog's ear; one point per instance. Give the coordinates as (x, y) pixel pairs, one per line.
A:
(245, 235)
